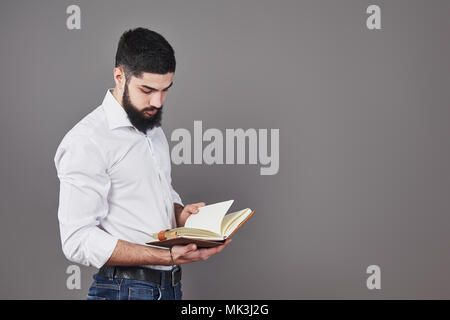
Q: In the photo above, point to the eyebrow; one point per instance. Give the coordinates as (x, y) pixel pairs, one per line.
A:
(150, 88)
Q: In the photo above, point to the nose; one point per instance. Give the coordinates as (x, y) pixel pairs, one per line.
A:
(156, 100)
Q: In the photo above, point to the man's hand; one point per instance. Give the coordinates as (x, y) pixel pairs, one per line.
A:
(187, 211)
(190, 253)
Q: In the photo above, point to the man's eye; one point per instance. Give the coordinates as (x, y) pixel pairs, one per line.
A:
(147, 91)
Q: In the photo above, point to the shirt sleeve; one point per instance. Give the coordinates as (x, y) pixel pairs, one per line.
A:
(175, 196)
(84, 187)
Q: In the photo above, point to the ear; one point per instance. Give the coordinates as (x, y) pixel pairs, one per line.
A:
(119, 78)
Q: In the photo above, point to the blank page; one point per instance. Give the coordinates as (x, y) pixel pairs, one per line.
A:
(209, 217)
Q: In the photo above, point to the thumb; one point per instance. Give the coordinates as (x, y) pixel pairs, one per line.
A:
(182, 250)
(191, 247)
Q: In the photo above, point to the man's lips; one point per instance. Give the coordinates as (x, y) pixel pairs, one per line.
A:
(152, 112)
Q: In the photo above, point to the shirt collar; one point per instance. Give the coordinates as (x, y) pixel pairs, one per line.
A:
(115, 114)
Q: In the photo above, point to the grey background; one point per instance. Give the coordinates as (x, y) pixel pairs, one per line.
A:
(364, 139)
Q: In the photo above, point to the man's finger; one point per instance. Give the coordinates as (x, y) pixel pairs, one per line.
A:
(193, 210)
(194, 207)
(199, 204)
(191, 247)
(220, 248)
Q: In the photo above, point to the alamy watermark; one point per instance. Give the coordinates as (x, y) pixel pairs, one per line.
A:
(73, 21)
(373, 22)
(374, 280)
(218, 151)
(74, 279)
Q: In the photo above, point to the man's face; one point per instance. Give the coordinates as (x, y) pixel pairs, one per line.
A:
(143, 99)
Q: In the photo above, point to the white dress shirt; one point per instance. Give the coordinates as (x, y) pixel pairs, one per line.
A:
(115, 183)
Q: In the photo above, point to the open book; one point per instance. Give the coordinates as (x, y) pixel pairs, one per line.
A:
(209, 227)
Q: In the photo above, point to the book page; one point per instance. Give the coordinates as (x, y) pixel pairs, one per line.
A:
(190, 232)
(184, 232)
(232, 220)
(209, 217)
(212, 238)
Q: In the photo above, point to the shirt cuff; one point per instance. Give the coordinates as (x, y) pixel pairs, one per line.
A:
(176, 198)
(100, 245)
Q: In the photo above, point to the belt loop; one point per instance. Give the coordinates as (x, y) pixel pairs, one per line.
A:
(108, 271)
(113, 272)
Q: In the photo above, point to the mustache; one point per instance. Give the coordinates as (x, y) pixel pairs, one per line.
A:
(152, 108)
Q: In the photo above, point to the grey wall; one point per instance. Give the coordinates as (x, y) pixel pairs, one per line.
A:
(364, 139)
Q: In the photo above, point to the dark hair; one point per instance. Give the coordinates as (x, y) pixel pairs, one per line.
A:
(142, 50)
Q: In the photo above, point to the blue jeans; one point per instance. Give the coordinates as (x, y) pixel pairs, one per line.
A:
(108, 288)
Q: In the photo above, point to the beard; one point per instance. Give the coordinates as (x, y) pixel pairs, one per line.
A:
(138, 118)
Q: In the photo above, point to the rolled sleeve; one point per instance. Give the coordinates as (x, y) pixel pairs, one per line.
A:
(168, 172)
(84, 187)
(175, 196)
